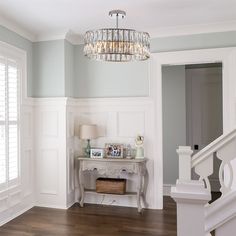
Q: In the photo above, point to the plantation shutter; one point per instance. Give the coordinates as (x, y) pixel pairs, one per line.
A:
(9, 122)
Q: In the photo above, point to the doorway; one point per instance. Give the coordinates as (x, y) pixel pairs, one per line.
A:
(192, 114)
(188, 57)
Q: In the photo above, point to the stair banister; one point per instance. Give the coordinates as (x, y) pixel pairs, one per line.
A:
(191, 195)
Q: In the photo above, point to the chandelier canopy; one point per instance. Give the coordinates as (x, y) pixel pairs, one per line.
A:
(115, 44)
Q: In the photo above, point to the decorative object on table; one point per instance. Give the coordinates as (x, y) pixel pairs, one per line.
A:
(88, 132)
(139, 146)
(116, 44)
(128, 151)
(111, 185)
(96, 153)
(114, 150)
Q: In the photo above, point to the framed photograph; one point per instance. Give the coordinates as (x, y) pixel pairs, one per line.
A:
(96, 153)
(114, 150)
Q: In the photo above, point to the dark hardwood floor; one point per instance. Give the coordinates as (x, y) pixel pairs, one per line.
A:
(94, 220)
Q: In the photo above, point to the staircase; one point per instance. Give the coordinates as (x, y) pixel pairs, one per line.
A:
(196, 216)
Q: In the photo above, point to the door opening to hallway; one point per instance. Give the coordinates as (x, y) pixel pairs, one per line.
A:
(192, 114)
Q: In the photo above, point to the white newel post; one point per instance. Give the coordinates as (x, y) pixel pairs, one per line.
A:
(185, 154)
(191, 198)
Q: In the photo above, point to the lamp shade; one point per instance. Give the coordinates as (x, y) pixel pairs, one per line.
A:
(88, 131)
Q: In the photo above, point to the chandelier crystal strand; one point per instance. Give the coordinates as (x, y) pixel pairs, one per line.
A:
(118, 45)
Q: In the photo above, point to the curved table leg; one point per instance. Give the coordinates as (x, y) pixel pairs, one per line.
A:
(81, 186)
(139, 192)
(144, 188)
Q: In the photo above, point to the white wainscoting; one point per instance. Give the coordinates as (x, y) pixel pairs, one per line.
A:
(50, 152)
(119, 120)
(20, 197)
(57, 144)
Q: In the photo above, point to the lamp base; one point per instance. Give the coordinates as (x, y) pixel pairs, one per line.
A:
(87, 149)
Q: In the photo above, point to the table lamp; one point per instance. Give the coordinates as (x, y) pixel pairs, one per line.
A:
(88, 132)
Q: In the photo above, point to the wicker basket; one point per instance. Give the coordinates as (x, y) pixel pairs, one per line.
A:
(112, 186)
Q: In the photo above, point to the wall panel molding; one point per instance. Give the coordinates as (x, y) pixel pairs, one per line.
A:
(118, 119)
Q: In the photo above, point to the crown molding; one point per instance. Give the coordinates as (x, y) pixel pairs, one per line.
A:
(77, 39)
(69, 35)
(192, 29)
(50, 36)
(16, 29)
(74, 38)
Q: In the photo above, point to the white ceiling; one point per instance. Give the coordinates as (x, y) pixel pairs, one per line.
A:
(159, 17)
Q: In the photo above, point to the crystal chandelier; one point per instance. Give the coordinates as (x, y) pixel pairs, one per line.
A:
(115, 44)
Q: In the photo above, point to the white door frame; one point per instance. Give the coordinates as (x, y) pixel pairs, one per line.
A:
(227, 56)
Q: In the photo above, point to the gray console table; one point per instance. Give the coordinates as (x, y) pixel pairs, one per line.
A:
(112, 167)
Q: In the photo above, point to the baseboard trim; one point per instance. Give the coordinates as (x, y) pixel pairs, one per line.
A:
(16, 215)
(167, 189)
(70, 204)
(52, 206)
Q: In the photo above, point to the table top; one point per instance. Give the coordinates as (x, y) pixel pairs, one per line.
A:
(133, 160)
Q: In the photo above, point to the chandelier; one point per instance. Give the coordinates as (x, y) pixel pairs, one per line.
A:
(115, 44)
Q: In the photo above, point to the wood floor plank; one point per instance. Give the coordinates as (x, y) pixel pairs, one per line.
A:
(94, 220)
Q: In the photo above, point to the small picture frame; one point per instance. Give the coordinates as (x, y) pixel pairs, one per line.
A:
(96, 153)
(114, 150)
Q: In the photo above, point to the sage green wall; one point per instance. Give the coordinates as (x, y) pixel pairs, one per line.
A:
(69, 69)
(49, 69)
(196, 41)
(16, 40)
(57, 68)
(109, 79)
(100, 79)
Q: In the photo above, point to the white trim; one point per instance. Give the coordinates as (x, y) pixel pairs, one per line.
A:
(167, 189)
(73, 38)
(77, 39)
(51, 206)
(50, 37)
(13, 216)
(21, 56)
(69, 35)
(109, 101)
(225, 55)
(192, 29)
(16, 28)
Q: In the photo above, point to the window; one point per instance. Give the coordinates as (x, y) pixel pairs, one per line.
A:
(9, 121)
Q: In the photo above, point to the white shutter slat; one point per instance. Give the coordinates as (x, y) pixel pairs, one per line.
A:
(12, 92)
(13, 152)
(2, 91)
(2, 155)
(9, 149)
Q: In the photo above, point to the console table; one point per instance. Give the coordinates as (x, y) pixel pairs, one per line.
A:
(111, 167)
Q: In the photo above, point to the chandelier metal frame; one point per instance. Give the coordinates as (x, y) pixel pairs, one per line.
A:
(117, 44)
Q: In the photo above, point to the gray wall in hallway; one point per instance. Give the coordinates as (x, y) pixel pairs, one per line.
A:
(174, 119)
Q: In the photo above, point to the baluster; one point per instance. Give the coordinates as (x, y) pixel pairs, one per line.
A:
(225, 188)
(226, 154)
(205, 169)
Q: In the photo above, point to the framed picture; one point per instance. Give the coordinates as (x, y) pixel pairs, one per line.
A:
(114, 150)
(96, 153)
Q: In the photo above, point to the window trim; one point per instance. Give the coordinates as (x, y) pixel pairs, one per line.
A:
(11, 52)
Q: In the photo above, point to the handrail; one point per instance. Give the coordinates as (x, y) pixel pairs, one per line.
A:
(212, 147)
(220, 211)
